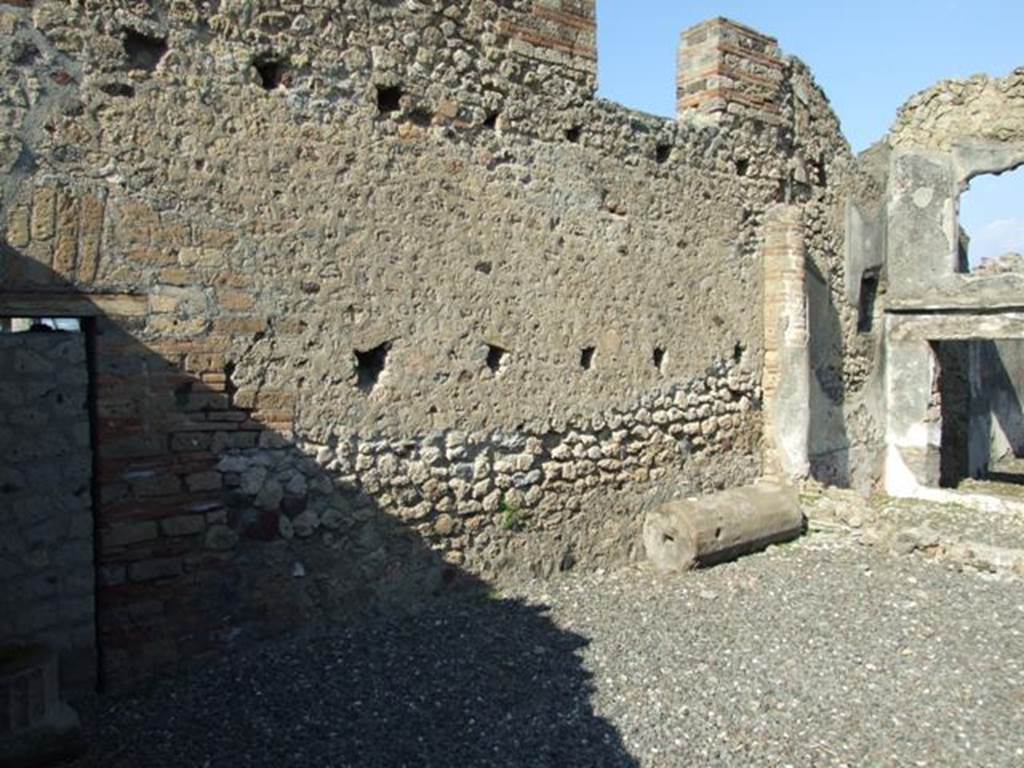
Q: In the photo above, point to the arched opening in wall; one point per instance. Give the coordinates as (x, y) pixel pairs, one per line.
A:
(992, 224)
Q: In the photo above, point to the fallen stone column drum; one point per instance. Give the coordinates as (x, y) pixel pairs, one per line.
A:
(682, 534)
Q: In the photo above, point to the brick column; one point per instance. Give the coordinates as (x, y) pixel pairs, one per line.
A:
(727, 68)
(786, 378)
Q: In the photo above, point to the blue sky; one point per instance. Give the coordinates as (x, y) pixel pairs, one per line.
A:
(869, 56)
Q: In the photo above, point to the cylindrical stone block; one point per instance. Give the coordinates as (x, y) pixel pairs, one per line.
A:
(684, 533)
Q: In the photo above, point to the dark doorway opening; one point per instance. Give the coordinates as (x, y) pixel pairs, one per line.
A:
(951, 395)
(977, 394)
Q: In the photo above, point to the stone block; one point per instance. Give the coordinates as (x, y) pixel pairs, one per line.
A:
(156, 568)
(125, 534)
(18, 229)
(203, 481)
(183, 525)
(156, 485)
(44, 212)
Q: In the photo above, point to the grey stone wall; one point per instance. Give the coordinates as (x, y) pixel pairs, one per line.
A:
(46, 521)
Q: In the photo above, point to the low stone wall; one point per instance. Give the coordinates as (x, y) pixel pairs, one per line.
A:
(290, 532)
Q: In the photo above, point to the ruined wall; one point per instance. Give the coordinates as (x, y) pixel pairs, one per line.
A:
(382, 296)
(954, 112)
(729, 73)
(46, 522)
(942, 138)
(846, 434)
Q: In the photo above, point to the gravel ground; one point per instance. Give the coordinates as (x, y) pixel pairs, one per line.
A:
(817, 653)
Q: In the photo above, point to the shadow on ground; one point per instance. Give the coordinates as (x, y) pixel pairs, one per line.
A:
(471, 681)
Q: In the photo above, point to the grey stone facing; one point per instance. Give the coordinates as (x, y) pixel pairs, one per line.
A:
(46, 522)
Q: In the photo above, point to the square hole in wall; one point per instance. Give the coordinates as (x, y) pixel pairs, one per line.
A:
(658, 357)
(370, 365)
(143, 51)
(497, 358)
(273, 72)
(587, 358)
(389, 99)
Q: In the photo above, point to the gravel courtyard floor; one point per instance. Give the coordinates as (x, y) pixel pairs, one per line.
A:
(818, 653)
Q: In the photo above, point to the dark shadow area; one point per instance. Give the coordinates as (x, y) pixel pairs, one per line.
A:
(952, 388)
(255, 608)
(467, 682)
(828, 443)
(1000, 364)
(1012, 478)
(977, 387)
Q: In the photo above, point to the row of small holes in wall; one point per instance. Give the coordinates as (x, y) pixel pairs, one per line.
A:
(389, 100)
(145, 52)
(370, 363)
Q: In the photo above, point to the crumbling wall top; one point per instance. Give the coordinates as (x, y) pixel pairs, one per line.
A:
(951, 112)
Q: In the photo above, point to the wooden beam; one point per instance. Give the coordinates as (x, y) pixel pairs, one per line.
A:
(54, 304)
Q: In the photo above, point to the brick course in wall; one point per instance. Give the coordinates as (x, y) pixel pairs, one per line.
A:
(558, 31)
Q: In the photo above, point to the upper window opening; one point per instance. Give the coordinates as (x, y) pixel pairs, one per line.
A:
(39, 324)
(992, 223)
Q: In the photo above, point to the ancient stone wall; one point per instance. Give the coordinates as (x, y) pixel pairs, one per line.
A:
(952, 112)
(46, 521)
(381, 295)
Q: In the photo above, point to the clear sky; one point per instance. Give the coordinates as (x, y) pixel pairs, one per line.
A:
(869, 56)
